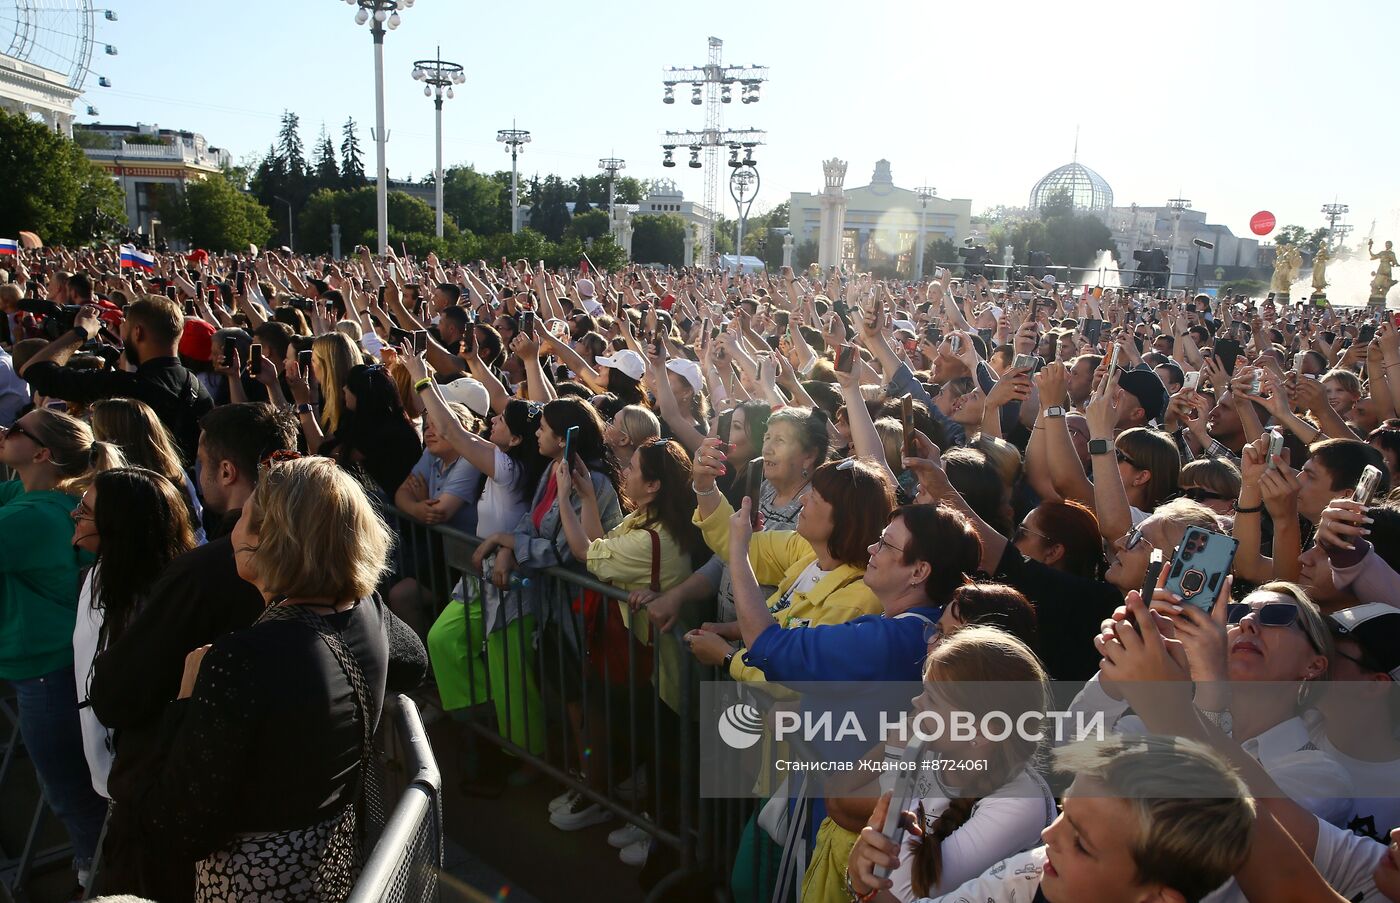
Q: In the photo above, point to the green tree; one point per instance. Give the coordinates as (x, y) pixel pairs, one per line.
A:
(411, 221)
(216, 216)
(327, 172)
(940, 250)
(549, 211)
(49, 186)
(1291, 235)
(352, 160)
(658, 238)
(474, 200)
(591, 225)
(87, 138)
(581, 204)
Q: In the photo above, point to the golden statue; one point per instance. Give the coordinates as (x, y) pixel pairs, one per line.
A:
(1287, 262)
(1385, 262)
(1319, 273)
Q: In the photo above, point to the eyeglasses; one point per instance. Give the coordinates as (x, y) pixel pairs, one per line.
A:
(17, 429)
(1124, 458)
(1022, 530)
(882, 543)
(278, 457)
(1131, 540)
(1197, 494)
(1362, 661)
(1269, 614)
(81, 513)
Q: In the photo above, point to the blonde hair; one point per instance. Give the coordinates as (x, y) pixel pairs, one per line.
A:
(1194, 814)
(145, 442)
(351, 329)
(637, 423)
(1003, 456)
(892, 442)
(73, 452)
(318, 535)
(961, 667)
(1314, 626)
(335, 355)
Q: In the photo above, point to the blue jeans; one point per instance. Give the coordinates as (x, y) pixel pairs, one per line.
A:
(48, 724)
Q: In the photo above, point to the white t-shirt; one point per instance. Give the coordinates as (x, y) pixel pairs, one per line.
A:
(97, 739)
(502, 503)
(1001, 825)
(1012, 880)
(1343, 859)
(1375, 816)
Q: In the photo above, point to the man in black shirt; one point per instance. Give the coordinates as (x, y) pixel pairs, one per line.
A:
(198, 598)
(150, 335)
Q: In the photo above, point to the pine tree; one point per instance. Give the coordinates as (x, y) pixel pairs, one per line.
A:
(327, 172)
(289, 146)
(352, 161)
(581, 204)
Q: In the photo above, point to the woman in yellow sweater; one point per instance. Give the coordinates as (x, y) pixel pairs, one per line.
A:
(818, 569)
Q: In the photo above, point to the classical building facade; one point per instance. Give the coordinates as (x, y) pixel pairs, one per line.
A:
(33, 91)
(142, 157)
(875, 225)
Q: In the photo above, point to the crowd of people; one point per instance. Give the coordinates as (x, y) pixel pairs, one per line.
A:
(794, 477)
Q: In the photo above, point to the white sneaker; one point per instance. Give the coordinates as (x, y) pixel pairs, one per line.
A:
(579, 814)
(635, 854)
(626, 835)
(562, 801)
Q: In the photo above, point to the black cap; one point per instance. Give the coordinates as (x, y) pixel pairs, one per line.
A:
(1147, 388)
(1375, 627)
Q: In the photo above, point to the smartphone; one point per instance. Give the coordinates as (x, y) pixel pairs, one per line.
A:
(1191, 382)
(1367, 485)
(170, 293)
(1025, 362)
(393, 272)
(420, 341)
(1113, 357)
(240, 282)
(1200, 566)
(906, 411)
(228, 352)
(903, 796)
(1227, 351)
(527, 323)
(398, 336)
(933, 335)
(705, 330)
(1275, 445)
(381, 296)
(1299, 360)
(304, 364)
(468, 340)
(569, 435)
(255, 359)
(1149, 581)
(955, 344)
(1256, 383)
(845, 359)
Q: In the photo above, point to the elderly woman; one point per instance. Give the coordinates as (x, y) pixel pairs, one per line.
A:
(302, 687)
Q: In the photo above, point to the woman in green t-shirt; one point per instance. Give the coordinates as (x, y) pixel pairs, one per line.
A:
(53, 455)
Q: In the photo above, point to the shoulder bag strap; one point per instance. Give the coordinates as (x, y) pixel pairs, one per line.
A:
(655, 560)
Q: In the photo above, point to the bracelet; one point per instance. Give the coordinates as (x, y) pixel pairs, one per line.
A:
(422, 384)
(1254, 510)
(729, 658)
(850, 889)
(714, 490)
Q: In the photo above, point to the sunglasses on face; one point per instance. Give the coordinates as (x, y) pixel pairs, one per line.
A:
(1196, 494)
(1131, 541)
(1270, 614)
(17, 430)
(1122, 458)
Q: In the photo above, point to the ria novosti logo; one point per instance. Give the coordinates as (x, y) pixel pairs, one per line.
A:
(740, 725)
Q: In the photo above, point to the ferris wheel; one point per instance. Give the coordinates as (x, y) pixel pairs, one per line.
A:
(59, 35)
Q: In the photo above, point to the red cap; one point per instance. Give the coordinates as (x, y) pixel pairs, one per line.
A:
(197, 341)
(198, 255)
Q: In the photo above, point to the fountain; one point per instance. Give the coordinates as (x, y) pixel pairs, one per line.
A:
(1104, 272)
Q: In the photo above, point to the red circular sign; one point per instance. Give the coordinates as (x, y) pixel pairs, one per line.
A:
(1262, 223)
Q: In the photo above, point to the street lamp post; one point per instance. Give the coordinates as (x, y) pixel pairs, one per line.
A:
(925, 193)
(380, 13)
(438, 77)
(612, 166)
(291, 239)
(744, 177)
(514, 139)
(1178, 206)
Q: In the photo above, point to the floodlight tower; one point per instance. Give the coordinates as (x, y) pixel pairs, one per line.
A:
(1177, 206)
(1334, 212)
(712, 85)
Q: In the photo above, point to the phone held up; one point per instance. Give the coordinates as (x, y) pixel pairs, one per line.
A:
(1200, 566)
(906, 410)
(845, 359)
(255, 359)
(1366, 485)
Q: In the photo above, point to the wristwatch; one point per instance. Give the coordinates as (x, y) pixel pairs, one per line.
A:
(1100, 446)
(1054, 411)
(304, 408)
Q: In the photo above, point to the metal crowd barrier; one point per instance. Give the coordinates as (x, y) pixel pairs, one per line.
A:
(404, 864)
(587, 714)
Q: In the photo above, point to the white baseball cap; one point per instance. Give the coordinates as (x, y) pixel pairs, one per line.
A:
(627, 360)
(585, 288)
(469, 392)
(687, 369)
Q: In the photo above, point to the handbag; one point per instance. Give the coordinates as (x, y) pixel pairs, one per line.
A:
(318, 862)
(609, 643)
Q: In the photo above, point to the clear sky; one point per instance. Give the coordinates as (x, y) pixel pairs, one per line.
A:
(1238, 106)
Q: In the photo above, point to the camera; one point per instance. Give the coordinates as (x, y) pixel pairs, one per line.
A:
(1153, 269)
(974, 260)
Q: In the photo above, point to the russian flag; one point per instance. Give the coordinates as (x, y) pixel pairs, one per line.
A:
(9, 246)
(131, 257)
